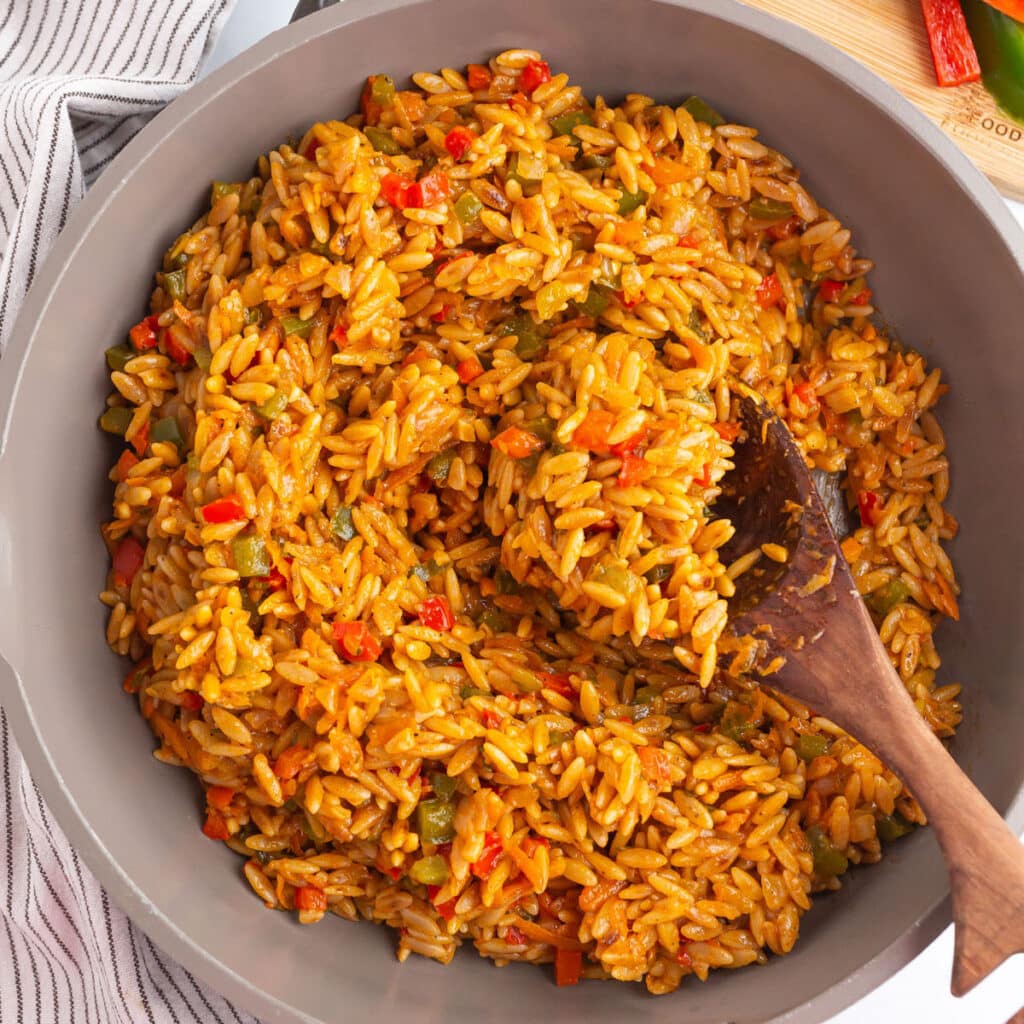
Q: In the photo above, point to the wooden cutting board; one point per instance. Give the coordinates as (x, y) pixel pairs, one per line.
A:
(889, 37)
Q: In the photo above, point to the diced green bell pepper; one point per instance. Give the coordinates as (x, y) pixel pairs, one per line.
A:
(595, 303)
(564, 124)
(764, 208)
(273, 406)
(221, 189)
(658, 573)
(702, 111)
(429, 870)
(443, 785)
(341, 524)
(811, 745)
(829, 860)
(251, 555)
(203, 357)
(883, 600)
(382, 89)
(382, 140)
(890, 827)
(115, 420)
(174, 285)
(468, 208)
(440, 465)
(435, 821)
(631, 201)
(119, 356)
(167, 429)
(293, 325)
(426, 570)
(735, 722)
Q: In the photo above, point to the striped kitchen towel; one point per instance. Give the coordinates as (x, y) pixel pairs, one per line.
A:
(78, 78)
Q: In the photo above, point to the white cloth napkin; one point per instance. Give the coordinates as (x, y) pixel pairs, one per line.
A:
(78, 78)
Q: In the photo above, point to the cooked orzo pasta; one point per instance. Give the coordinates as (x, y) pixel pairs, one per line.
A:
(414, 539)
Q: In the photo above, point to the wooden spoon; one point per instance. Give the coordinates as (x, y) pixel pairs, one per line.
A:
(808, 612)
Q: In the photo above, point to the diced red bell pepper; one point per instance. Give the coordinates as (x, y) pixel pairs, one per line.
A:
(633, 444)
(459, 141)
(769, 292)
(291, 761)
(355, 642)
(469, 369)
(517, 443)
(491, 718)
(370, 108)
(785, 229)
(633, 470)
(514, 937)
(275, 580)
(220, 797)
(861, 298)
(403, 193)
(705, 475)
(441, 315)
(869, 504)
(478, 77)
(176, 350)
(125, 464)
(532, 843)
(485, 864)
(656, 764)
(223, 510)
(140, 440)
(446, 909)
(215, 827)
(436, 613)
(727, 430)
(535, 74)
(683, 957)
(399, 191)
(433, 187)
(309, 897)
(830, 290)
(806, 393)
(593, 432)
(143, 334)
(339, 336)
(395, 873)
(191, 701)
(128, 558)
(953, 54)
(557, 681)
(568, 966)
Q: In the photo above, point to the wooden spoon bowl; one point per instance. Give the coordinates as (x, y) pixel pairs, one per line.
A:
(815, 638)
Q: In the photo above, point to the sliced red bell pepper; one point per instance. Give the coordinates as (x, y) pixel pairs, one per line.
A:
(436, 613)
(705, 475)
(291, 761)
(355, 642)
(176, 350)
(433, 187)
(128, 558)
(140, 440)
(953, 54)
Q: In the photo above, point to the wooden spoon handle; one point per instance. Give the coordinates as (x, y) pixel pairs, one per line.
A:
(984, 858)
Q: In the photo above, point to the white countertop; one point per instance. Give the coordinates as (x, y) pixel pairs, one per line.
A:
(920, 992)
